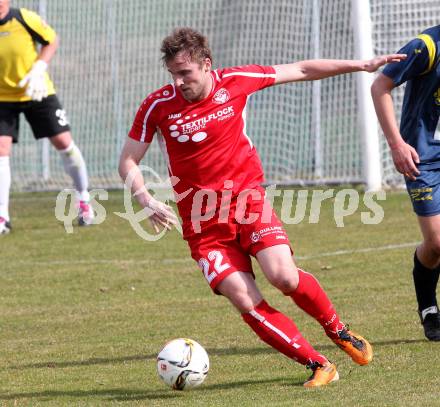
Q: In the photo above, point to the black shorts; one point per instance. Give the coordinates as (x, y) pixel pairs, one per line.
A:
(46, 118)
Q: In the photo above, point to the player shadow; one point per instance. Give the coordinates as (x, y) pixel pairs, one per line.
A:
(122, 394)
(150, 395)
(211, 351)
(118, 394)
(399, 341)
(85, 362)
(286, 380)
(146, 357)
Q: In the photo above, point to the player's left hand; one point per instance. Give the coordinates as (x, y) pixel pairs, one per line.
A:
(35, 81)
(374, 64)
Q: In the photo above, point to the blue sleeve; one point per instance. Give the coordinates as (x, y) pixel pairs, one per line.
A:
(416, 62)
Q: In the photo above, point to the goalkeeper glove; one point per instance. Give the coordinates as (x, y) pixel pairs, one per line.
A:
(35, 81)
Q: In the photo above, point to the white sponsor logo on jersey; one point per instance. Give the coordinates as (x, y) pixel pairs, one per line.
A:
(198, 124)
(221, 96)
(259, 234)
(184, 132)
(255, 237)
(174, 116)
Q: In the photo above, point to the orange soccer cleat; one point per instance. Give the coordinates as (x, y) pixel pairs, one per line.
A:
(355, 346)
(322, 374)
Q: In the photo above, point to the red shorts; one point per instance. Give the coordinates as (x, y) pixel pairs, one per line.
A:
(221, 248)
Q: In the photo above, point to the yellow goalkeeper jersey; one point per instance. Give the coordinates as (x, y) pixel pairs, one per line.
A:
(20, 31)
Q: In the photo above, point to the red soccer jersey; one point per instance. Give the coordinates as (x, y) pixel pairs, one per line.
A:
(205, 143)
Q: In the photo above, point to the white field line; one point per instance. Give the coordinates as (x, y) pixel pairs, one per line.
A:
(355, 251)
(188, 260)
(108, 261)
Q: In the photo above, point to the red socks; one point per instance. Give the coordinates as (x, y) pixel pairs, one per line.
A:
(281, 333)
(311, 298)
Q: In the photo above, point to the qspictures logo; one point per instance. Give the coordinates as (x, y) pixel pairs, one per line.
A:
(297, 206)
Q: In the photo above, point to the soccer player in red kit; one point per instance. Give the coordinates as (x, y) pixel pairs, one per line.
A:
(200, 122)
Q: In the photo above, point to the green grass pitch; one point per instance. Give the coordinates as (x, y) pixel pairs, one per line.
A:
(83, 315)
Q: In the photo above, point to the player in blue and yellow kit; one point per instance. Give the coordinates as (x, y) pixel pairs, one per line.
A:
(25, 87)
(416, 154)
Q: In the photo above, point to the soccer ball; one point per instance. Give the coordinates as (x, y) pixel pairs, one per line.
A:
(182, 364)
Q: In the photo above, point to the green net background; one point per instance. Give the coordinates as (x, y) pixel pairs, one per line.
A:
(109, 60)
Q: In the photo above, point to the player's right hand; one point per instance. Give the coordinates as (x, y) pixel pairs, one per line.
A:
(405, 158)
(162, 215)
(35, 81)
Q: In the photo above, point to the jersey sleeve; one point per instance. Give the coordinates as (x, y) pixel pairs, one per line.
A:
(251, 78)
(37, 27)
(144, 124)
(420, 58)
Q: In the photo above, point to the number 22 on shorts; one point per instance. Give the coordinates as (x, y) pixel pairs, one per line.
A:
(217, 258)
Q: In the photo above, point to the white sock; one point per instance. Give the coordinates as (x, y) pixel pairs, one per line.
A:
(5, 186)
(75, 166)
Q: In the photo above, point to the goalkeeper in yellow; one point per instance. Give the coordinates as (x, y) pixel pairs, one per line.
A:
(25, 87)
